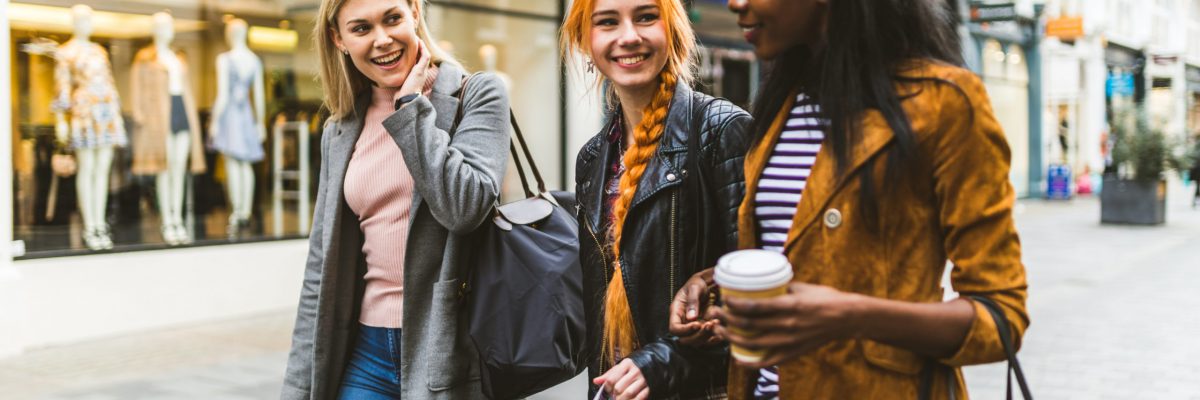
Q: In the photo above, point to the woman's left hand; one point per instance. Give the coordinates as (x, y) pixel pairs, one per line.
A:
(624, 382)
(415, 82)
(791, 325)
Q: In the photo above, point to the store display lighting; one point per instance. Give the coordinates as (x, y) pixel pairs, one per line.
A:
(50, 19)
(272, 39)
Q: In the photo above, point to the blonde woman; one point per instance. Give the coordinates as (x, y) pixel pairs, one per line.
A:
(398, 193)
(651, 213)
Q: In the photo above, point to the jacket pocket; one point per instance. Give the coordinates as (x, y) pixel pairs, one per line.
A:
(448, 363)
(892, 358)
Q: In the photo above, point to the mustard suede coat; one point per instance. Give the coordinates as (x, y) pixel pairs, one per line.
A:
(955, 205)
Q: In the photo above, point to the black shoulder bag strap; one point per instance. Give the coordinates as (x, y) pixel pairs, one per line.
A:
(512, 146)
(1014, 366)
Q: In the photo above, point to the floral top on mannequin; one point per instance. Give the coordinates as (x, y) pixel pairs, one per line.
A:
(85, 90)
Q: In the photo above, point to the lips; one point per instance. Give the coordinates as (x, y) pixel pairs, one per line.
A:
(631, 59)
(750, 31)
(388, 60)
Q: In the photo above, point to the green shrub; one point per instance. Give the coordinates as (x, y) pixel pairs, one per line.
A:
(1142, 151)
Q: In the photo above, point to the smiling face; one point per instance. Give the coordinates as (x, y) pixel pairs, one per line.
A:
(380, 37)
(628, 42)
(774, 26)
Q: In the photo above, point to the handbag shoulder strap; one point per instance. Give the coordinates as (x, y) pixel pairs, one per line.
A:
(512, 118)
(1014, 366)
(1002, 326)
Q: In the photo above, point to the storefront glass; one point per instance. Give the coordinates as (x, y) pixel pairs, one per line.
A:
(1006, 75)
(162, 188)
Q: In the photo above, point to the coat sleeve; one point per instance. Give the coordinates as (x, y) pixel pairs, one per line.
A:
(457, 176)
(975, 200)
(297, 382)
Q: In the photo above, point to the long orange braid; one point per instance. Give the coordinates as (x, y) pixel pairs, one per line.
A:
(618, 318)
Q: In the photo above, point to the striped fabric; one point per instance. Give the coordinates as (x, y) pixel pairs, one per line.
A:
(779, 192)
(379, 190)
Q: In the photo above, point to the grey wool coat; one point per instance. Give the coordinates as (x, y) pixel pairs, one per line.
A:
(457, 181)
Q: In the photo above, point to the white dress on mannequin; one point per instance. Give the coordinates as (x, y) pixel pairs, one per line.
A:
(238, 129)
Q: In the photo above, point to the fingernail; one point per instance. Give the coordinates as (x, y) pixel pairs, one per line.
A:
(691, 313)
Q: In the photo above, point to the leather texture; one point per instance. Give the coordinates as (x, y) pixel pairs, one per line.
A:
(954, 203)
(659, 249)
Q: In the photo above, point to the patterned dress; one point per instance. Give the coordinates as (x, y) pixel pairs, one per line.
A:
(84, 83)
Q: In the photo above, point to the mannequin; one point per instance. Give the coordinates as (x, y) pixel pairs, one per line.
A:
(167, 126)
(86, 90)
(237, 129)
(488, 53)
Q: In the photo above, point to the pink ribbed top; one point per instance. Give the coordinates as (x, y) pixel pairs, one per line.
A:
(379, 189)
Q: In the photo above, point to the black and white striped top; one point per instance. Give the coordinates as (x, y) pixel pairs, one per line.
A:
(779, 191)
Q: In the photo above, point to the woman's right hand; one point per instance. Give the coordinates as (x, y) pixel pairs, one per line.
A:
(690, 319)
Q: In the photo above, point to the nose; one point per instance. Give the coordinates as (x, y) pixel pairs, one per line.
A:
(382, 38)
(629, 35)
(737, 6)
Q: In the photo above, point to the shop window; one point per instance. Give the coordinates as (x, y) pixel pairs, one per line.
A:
(523, 51)
(127, 191)
(533, 7)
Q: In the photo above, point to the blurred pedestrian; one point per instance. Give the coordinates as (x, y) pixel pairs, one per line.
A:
(1194, 174)
(397, 196)
(906, 168)
(658, 190)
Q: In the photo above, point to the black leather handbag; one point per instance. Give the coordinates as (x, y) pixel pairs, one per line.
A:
(524, 300)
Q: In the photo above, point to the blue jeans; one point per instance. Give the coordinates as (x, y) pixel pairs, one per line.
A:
(373, 372)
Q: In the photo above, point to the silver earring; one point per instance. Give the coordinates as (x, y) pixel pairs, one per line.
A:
(591, 66)
(345, 52)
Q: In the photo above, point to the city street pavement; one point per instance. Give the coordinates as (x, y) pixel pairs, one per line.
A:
(1114, 312)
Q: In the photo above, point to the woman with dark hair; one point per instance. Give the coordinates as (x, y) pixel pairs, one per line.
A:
(877, 160)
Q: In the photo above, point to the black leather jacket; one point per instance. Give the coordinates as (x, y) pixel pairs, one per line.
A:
(662, 239)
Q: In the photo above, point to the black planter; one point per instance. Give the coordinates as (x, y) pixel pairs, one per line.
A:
(1127, 201)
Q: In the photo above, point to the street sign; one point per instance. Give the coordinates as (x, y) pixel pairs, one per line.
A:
(1065, 28)
(1120, 85)
(993, 12)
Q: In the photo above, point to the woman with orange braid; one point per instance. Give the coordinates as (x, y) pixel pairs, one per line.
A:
(658, 191)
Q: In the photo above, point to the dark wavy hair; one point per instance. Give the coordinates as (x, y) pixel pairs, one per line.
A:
(855, 67)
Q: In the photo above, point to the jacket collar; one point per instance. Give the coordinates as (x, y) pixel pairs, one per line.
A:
(824, 180)
(660, 169)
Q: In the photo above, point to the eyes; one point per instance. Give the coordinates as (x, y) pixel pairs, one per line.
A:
(647, 18)
(388, 20)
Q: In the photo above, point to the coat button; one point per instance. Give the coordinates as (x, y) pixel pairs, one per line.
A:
(833, 218)
(670, 177)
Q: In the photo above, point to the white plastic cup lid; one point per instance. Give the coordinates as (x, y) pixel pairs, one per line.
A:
(752, 270)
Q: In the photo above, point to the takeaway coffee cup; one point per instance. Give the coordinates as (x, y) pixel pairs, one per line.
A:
(751, 274)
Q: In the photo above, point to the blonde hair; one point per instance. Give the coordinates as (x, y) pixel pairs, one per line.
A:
(620, 336)
(340, 80)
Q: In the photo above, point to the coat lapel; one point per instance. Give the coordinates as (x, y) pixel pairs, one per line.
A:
(824, 182)
(662, 164)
